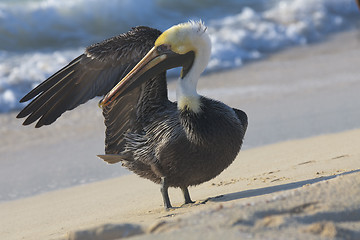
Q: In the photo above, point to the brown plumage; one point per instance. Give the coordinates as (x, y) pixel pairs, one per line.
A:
(176, 144)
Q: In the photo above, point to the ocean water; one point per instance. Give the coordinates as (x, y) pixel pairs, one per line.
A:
(38, 37)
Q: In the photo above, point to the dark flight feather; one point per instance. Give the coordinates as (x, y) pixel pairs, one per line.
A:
(93, 73)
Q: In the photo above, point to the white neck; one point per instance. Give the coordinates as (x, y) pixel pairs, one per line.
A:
(186, 94)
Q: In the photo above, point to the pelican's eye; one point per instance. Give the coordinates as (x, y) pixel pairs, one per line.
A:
(163, 48)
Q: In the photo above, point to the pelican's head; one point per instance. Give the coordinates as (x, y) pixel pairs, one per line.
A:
(185, 45)
(185, 38)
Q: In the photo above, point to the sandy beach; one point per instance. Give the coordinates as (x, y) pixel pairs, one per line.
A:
(297, 176)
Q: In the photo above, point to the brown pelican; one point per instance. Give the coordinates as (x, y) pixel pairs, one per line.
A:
(177, 144)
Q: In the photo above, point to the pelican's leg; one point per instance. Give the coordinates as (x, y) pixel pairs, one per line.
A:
(186, 195)
(164, 192)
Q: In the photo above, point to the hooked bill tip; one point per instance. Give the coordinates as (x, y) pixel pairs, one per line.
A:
(100, 105)
(103, 104)
(105, 101)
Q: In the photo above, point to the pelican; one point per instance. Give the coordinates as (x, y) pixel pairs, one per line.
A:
(175, 144)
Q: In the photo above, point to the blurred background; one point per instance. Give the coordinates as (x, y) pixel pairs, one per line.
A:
(38, 37)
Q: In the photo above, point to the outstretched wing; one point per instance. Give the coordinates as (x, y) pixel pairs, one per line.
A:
(93, 73)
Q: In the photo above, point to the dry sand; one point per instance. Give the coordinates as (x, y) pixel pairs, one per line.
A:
(308, 188)
(298, 189)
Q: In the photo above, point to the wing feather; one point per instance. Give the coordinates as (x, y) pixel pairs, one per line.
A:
(93, 73)
(45, 85)
(120, 117)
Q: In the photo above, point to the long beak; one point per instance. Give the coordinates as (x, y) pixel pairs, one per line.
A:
(150, 60)
(152, 64)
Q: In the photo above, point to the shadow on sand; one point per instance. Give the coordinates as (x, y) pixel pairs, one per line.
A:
(268, 190)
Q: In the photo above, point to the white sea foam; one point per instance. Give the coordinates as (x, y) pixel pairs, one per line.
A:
(39, 37)
(250, 34)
